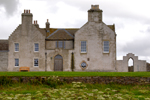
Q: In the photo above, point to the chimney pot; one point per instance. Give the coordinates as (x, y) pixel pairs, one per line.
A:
(47, 20)
(36, 21)
(29, 11)
(95, 6)
(24, 10)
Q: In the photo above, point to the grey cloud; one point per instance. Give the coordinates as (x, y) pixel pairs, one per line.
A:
(9, 5)
(141, 47)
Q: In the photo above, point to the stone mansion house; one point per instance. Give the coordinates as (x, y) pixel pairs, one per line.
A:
(89, 48)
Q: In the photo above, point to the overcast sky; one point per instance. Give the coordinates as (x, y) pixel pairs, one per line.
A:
(131, 18)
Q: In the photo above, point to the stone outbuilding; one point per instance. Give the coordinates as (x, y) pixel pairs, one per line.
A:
(138, 65)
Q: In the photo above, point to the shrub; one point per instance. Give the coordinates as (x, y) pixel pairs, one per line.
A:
(53, 81)
(4, 80)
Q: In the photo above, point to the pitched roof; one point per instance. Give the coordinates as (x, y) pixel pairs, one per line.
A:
(61, 34)
(3, 44)
(56, 33)
(112, 27)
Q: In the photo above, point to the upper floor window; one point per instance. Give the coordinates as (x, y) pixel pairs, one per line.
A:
(16, 62)
(83, 46)
(36, 47)
(16, 47)
(106, 46)
(36, 63)
(60, 44)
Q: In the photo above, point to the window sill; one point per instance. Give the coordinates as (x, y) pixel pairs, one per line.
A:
(105, 52)
(16, 66)
(83, 52)
(16, 51)
(36, 51)
(36, 66)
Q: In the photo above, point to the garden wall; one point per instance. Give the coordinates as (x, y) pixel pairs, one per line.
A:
(92, 80)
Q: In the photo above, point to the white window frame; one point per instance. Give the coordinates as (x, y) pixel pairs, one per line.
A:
(34, 62)
(83, 46)
(15, 62)
(16, 47)
(106, 46)
(35, 47)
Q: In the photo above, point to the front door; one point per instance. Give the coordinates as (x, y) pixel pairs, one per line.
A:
(58, 63)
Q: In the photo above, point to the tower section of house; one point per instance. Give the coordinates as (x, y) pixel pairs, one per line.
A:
(59, 48)
(95, 44)
(26, 46)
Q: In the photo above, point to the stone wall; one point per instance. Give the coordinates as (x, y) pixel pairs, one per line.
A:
(92, 80)
(148, 67)
(3, 60)
(138, 65)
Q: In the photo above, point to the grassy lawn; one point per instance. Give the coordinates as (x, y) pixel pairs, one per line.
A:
(74, 91)
(80, 74)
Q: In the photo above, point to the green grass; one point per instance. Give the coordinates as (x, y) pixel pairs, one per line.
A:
(77, 74)
(75, 91)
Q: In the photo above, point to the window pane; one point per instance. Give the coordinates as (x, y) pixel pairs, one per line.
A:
(35, 62)
(56, 44)
(64, 45)
(83, 65)
(36, 47)
(16, 62)
(83, 46)
(106, 47)
(16, 46)
(60, 44)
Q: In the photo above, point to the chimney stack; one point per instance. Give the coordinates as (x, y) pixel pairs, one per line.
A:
(47, 26)
(95, 14)
(26, 21)
(27, 17)
(36, 24)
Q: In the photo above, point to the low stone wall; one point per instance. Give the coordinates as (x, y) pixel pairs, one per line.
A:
(92, 80)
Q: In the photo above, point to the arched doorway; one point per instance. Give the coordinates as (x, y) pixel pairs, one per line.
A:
(58, 63)
(130, 65)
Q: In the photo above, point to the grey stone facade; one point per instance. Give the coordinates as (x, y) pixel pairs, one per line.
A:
(52, 49)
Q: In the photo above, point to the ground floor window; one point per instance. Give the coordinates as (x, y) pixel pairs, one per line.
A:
(83, 65)
(16, 62)
(36, 63)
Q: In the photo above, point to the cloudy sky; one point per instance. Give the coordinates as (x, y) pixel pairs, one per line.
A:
(131, 18)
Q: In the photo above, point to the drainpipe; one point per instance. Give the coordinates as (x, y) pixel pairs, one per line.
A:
(45, 61)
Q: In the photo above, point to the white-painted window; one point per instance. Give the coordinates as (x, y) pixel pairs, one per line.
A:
(83, 46)
(36, 47)
(16, 47)
(16, 62)
(36, 62)
(106, 46)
